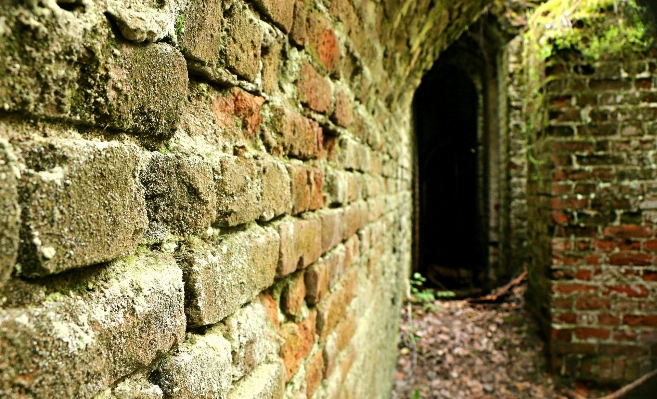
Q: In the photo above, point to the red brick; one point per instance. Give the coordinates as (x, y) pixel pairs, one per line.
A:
(560, 217)
(333, 308)
(569, 203)
(301, 244)
(562, 303)
(281, 12)
(323, 40)
(593, 303)
(592, 260)
(343, 114)
(629, 290)
(299, 30)
(571, 288)
(607, 319)
(585, 333)
(583, 274)
(271, 307)
(629, 245)
(605, 245)
(317, 282)
(293, 135)
(630, 259)
(568, 318)
(293, 295)
(298, 341)
(649, 275)
(564, 334)
(314, 373)
(648, 336)
(629, 230)
(640, 321)
(650, 245)
(313, 90)
(566, 348)
(624, 335)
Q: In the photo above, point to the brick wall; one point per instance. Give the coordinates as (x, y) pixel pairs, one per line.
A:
(591, 216)
(208, 199)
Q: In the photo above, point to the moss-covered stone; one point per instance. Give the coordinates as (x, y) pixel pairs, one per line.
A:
(200, 369)
(9, 211)
(265, 382)
(221, 277)
(92, 328)
(81, 204)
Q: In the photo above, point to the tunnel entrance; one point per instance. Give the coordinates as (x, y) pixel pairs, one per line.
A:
(460, 218)
(452, 238)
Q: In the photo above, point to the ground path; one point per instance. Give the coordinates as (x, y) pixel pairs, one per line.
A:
(458, 350)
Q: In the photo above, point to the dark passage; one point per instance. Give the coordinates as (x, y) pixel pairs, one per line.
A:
(450, 221)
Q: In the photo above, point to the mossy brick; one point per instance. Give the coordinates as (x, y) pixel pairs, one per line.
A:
(231, 271)
(294, 135)
(265, 382)
(81, 202)
(202, 24)
(69, 66)
(314, 91)
(138, 21)
(239, 190)
(135, 386)
(114, 319)
(250, 339)
(353, 155)
(336, 186)
(300, 187)
(281, 12)
(323, 40)
(298, 340)
(200, 368)
(180, 194)
(355, 217)
(314, 371)
(301, 244)
(332, 225)
(9, 211)
(276, 196)
(336, 264)
(243, 41)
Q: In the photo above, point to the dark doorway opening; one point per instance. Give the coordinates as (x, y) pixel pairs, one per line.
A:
(452, 238)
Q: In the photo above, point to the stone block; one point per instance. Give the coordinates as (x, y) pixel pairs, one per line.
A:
(180, 194)
(9, 211)
(299, 339)
(239, 189)
(313, 90)
(332, 225)
(243, 41)
(265, 382)
(281, 12)
(200, 38)
(293, 135)
(293, 295)
(230, 272)
(301, 244)
(82, 204)
(98, 80)
(138, 21)
(276, 197)
(200, 368)
(114, 319)
(250, 339)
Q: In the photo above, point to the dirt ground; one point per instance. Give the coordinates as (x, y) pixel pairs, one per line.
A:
(451, 349)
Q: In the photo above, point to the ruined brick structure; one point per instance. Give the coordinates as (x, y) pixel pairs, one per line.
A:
(208, 198)
(222, 199)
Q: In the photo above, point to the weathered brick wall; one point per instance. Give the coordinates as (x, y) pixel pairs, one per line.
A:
(591, 215)
(208, 199)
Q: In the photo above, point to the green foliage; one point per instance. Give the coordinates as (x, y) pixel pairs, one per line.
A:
(426, 296)
(416, 394)
(180, 24)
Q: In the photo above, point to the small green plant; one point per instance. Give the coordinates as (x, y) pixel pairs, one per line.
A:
(416, 394)
(180, 24)
(426, 296)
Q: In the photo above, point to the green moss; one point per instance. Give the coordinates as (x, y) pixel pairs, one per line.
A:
(180, 24)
